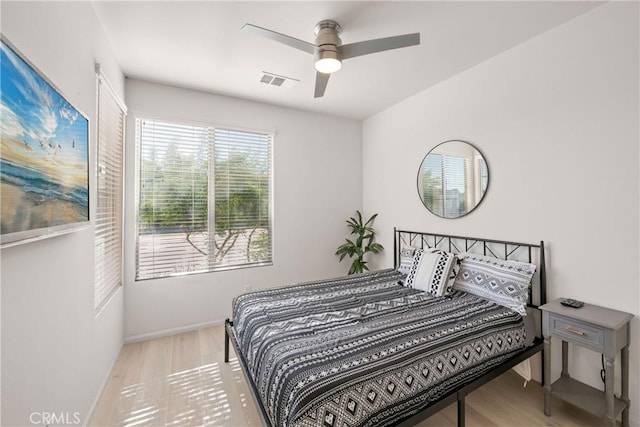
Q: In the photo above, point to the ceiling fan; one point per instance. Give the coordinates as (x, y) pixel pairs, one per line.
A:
(329, 50)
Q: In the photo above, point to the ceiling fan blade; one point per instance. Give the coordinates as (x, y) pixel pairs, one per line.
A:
(281, 38)
(378, 45)
(321, 84)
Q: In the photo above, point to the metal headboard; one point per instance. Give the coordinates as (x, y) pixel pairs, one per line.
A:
(532, 253)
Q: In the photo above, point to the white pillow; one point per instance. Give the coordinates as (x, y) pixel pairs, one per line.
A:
(432, 271)
(504, 282)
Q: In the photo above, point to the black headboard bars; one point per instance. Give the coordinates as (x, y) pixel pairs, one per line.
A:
(490, 247)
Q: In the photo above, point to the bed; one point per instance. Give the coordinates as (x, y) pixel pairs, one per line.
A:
(368, 350)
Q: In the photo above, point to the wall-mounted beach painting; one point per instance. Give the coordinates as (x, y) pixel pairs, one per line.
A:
(44, 155)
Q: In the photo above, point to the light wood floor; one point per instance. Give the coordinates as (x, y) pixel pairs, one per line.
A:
(183, 380)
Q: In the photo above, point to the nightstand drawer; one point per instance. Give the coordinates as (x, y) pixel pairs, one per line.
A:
(577, 332)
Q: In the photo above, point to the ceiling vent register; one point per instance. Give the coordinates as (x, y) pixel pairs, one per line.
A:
(276, 80)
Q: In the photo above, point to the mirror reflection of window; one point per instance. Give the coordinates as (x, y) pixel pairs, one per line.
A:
(455, 196)
(453, 179)
(432, 183)
(447, 196)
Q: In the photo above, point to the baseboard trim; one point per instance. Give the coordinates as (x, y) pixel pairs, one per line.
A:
(103, 384)
(171, 331)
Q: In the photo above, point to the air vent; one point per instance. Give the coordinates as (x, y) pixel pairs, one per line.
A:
(276, 80)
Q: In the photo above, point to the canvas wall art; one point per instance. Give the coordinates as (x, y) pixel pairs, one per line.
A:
(44, 155)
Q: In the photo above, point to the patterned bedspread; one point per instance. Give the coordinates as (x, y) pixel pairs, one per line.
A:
(363, 350)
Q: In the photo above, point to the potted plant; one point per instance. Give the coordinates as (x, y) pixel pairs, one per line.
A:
(363, 243)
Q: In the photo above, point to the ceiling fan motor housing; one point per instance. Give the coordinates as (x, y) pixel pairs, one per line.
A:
(327, 40)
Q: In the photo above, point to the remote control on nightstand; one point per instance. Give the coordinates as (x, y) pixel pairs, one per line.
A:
(568, 302)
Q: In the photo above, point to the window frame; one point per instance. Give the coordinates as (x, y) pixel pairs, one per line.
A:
(211, 193)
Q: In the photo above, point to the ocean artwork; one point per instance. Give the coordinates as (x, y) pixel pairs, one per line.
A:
(44, 163)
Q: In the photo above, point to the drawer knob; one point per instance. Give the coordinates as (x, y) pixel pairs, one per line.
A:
(575, 331)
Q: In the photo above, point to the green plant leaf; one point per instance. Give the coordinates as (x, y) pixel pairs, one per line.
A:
(371, 219)
(354, 267)
(375, 248)
(341, 251)
(343, 247)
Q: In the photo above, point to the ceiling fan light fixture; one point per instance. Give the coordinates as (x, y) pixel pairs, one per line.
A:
(327, 62)
(329, 50)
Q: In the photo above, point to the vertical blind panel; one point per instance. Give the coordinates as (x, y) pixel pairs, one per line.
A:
(193, 178)
(108, 222)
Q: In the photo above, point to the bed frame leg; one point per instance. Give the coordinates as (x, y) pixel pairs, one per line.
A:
(460, 411)
(227, 323)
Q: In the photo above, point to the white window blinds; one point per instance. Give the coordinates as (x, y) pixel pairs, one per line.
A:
(204, 198)
(108, 222)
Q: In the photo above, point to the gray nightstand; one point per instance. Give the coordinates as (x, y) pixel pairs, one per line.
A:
(597, 328)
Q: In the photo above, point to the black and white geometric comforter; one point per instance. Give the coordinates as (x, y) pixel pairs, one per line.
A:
(363, 350)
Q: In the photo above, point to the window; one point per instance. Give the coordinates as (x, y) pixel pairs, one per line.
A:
(204, 199)
(108, 222)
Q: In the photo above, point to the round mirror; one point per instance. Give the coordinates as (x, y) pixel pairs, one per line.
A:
(453, 179)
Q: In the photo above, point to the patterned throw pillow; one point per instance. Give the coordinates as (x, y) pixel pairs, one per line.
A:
(433, 271)
(406, 258)
(503, 282)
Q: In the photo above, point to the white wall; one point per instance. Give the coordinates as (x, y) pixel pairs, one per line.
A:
(56, 353)
(317, 185)
(557, 119)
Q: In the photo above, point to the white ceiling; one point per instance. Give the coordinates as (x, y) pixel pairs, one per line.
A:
(199, 45)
